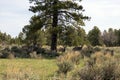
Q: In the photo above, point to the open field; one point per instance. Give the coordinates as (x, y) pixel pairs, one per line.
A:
(35, 69)
(40, 69)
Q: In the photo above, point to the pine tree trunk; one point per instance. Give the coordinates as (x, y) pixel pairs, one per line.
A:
(54, 25)
(54, 42)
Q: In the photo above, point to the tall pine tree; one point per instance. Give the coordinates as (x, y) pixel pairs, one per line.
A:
(56, 13)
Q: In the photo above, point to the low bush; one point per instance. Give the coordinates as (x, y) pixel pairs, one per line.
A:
(98, 57)
(11, 56)
(107, 70)
(67, 62)
(64, 67)
(33, 54)
(74, 57)
(87, 51)
(7, 54)
(97, 48)
(87, 73)
(14, 48)
(40, 50)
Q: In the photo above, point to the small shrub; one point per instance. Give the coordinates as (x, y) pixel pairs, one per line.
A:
(96, 49)
(15, 49)
(33, 54)
(87, 73)
(98, 57)
(6, 49)
(67, 62)
(64, 67)
(40, 50)
(74, 57)
(11, 56)
(61, 49)
(50, 54)
(108, 70)
(117, 56)
(87, 51)
(77, 48)
(53, 54)
(6, 54)
(109, 51)
(90, 62)
(117, 72)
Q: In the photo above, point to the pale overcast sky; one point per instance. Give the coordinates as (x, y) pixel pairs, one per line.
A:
(14, 14)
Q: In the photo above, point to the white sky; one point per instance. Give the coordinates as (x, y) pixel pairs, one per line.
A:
(103, 13)
(14, 14)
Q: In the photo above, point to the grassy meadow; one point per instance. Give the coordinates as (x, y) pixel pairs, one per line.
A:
(35, 69)
(40, 69)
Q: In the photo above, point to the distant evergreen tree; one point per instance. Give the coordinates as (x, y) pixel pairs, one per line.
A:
(72, 37)
(82, 36)
(32, 34)
(5, 38)
(94, 36)
(118, 37)
(110, 37)
(68, 37)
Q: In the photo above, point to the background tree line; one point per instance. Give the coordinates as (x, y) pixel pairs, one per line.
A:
(76, 36)
(68, 37)
(6, 39)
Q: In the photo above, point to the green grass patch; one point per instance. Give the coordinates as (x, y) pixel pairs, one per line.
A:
(44, 68)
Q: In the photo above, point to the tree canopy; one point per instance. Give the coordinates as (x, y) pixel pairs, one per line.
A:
(94, 36)
(54, 13)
